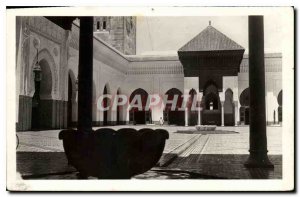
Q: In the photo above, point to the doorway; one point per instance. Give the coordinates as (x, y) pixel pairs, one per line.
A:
(229, 109)
(142, 114)
(211, 114)
(244, 109)
(41, 115)
(176, 116)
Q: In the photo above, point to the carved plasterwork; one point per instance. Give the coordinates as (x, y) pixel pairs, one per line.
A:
(46, 28)
(273, 63)
(150, 69)
(74, 37)
(45, 54)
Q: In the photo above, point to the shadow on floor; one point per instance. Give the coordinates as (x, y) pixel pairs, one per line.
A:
(229, 166)
(38, 164)
(54, 165)
(194, 131)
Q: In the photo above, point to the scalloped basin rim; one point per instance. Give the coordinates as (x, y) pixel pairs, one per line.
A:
(110, 154)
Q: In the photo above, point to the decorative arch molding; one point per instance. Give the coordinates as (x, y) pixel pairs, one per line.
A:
(139, 115)
(192, 91)
(167, 83)
(244, 100)
(245, 97)
(142, 92)
(107, 86)
(174, 116)
(229, 95)
(171, 93)
(174, 91)
(44, 54)
(132, 89)
(119, 90)
(110, 85)
(208, 84)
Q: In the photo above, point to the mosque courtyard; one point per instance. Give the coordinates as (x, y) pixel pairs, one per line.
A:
(188, 154)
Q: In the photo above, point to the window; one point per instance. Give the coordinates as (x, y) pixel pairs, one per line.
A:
(98, 25)
(104, 25)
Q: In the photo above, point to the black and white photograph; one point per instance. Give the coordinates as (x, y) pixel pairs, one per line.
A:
(139, 97)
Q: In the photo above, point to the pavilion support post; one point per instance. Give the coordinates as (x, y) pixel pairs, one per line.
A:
(199, 108)
(186, 115)
(85, 76)
(258, 137)
(199, 116)
(222, 112)
(236, 113)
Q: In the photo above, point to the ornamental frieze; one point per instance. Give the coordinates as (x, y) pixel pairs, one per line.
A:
(46, 28)
(272, 64)
(155, 69)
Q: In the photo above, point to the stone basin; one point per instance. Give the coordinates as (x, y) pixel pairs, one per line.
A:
(109, 154)
(206, 127)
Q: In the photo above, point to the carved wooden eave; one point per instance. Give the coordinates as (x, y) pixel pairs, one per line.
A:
(211, 51)
(64, 22)
(43, 26)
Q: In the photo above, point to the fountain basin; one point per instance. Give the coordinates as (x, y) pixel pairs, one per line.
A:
(109, 154)
(206, 127)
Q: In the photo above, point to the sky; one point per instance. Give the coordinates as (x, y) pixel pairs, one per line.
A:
(165, 35)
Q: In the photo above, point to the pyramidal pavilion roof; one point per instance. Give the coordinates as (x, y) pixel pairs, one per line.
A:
(210, 39)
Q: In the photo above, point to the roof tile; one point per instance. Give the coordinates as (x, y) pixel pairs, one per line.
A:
(210, 39)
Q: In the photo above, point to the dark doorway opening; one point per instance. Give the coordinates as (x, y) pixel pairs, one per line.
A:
(192, 110)
(244, 109)
(174, 116)
(41, 117)
(142, 114)
(211, 114)
(229, 108)
(140, 117)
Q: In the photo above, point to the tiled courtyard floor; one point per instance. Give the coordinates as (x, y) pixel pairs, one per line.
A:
(218, 154)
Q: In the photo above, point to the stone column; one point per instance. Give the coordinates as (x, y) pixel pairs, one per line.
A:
(258, 138)
(186, 117)
(199, 116)
(236, 112)
(222, 112)
(85, 74)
